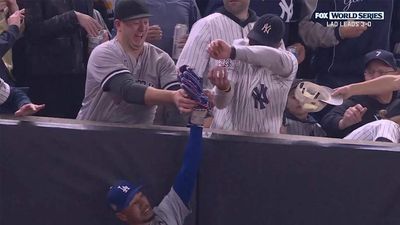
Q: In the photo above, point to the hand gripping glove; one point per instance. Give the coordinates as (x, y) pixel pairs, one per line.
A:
(191, 83)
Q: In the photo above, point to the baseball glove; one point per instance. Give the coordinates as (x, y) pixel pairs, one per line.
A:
(191, 83)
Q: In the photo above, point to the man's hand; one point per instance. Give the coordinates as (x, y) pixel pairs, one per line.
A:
(211, 98)
(218, 76)
(29, 109)
(183, 101)
(353, 115)
(300, 52)
(91, 26)
(219, 49)
(154, 33)
(16, 18)
(351, 32)
(181, 42)
(344, 92)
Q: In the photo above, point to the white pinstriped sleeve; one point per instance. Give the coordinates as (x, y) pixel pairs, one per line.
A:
(279, 61)
(222, 98)
(4, 91)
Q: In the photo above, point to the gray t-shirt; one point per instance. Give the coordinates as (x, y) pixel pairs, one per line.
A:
(152, 68)
(171, 210)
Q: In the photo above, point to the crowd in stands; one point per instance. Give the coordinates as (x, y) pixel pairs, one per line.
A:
(114, 61)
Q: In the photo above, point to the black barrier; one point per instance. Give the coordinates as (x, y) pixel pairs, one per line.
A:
(58, 171)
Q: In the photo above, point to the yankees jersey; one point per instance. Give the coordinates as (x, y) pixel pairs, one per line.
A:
(310, 127)
(376, 129)
(152, 68)
(260, 78)
(171, 210)
(221, 25)
(4, 91)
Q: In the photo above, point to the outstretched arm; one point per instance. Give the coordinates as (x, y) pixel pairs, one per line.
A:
(186, 178)
(278, 61)
(383, 84)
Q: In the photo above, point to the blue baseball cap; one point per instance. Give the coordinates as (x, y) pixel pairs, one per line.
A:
(121, 194)
(382, 55)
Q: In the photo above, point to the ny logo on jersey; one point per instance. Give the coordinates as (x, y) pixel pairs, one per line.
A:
(266, 28)
(124, 188)
(287, 10)
(260, 97)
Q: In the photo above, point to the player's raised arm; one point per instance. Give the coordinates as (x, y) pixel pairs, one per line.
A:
(186, 178)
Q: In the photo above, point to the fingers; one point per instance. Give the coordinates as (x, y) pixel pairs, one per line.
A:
(91, 26)
(94, 27)
(29, 109)
(356, 113)
(218, 76)
(337, 92)
(358, 107)
(154, 33)
(39, 107)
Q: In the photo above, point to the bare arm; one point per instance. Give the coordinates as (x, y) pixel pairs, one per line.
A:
(383, 84)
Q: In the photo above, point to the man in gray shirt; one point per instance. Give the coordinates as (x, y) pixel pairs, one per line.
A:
(125, 75)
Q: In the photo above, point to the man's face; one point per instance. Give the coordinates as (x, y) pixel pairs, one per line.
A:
(294, 106)
(236, 6)
(139, 210)
(133, 32)
(377, 68)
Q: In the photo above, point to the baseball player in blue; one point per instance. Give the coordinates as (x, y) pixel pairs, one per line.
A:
(131, 205)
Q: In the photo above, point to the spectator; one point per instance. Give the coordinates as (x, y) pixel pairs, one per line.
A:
(10, 27)
(132, 207)
(125, 74)
(340, 50)
(264, 71)
(297, 120)
(56, 52)
(360, 110)
(15, 100)
(233, 21)
(288, 10)
(163, 22)
(161, 34)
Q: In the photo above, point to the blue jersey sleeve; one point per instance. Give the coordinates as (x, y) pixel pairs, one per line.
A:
(186, 178)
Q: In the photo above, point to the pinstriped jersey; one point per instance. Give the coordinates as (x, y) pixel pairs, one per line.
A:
(4, 91)
(376, 129)
(152, 68)
(260, 78)
(207, 29)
